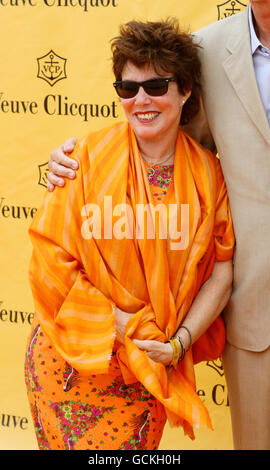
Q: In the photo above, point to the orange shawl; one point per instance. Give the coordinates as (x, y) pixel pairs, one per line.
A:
(77, 280)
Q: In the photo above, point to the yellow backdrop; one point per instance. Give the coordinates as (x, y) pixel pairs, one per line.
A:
(56, 82)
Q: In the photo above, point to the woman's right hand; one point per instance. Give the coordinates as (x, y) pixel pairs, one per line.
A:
(60, 165)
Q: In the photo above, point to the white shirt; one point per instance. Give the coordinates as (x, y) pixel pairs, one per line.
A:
(261, 61)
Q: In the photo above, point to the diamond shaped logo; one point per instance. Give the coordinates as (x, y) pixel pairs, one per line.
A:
(229, 8)
(217, 366)
(51, 68)
(43, 174)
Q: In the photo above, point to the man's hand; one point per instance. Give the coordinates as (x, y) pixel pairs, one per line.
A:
(61, 165)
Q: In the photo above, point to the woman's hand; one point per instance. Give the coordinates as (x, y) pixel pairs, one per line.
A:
(61, 165)
(121, 320)
(157, 351)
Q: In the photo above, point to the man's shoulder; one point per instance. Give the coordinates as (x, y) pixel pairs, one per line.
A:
(221, 28)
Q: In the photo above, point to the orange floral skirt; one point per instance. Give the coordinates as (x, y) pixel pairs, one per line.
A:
(100, 412)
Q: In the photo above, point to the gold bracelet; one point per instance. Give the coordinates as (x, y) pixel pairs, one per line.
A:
(176, 350)
(183, 351)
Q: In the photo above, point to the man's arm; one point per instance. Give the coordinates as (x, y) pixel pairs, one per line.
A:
(198, 129)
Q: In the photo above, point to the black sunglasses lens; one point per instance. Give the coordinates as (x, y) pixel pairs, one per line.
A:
(156, 87)
(127, 89)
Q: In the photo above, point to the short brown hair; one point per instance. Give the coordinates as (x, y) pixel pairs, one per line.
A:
(166, 48)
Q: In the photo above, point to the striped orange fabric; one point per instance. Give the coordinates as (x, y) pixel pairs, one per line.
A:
(77, 280)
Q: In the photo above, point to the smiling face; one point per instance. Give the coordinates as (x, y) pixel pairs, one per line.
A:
(153, 118)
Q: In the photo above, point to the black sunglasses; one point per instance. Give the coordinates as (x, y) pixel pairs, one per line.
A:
(153, 87)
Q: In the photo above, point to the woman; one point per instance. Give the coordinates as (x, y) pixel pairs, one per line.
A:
(125, 306)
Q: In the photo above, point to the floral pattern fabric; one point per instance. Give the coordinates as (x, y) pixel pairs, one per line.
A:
(98, 413)
(160, 178)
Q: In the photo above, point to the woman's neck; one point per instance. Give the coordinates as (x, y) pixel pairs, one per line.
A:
(157, 152)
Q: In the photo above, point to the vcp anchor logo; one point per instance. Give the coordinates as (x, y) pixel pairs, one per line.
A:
(217, 366)
(51, 68)
(43, 174)
(229, 8)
